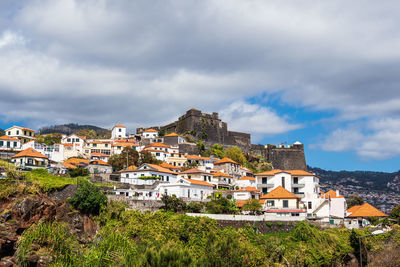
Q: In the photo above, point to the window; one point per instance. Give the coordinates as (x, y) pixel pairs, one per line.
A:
(205, 178)
(270, 203)
(265, 190)
(17, 132)
(286, 203)
(30, 161)
(264, 180)
(157, 154)
(229, 180)
(309, 205)
(127, 175)
(77, 140)
(25, 133)
(9, 132)
(8, 144)
(1, 143)
(106, 145)
(296, 180)
(119, 130)
(119, 147)
(167, 178)
(15, 144)
(68, 140)
(283, 182)
(94, 145)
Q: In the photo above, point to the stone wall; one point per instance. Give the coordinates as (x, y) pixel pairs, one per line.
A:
(141, 205)
(292, 158)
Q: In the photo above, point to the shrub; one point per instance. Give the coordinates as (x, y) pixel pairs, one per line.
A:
(173, 203)
(88, 198)
(79, 172)
(222, 206)
(253, 206)
(195, 207)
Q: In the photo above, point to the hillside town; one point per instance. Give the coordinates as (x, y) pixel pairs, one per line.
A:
(284, 194)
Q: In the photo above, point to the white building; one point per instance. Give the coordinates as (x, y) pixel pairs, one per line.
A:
(245, 193)
(54, 152)
(118, 131)
(73, 146)
(187, 188)
(148, 174)
(8, 143)
(207, 162)
(332, 207)
(150, 133)
(23, 134)
(298, 182)
(30, 158)
(246, 181)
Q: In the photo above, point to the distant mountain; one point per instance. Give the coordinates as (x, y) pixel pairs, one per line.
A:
(74, 128)
(368, 179)
(2, 132)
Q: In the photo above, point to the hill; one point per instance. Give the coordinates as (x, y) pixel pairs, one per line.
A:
(370, 179)
(74, 128)
(2, 132)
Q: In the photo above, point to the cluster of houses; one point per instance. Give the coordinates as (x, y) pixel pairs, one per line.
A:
(282, 193)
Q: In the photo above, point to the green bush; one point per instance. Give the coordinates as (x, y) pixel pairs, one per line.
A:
(172, 203)
(88, 198)
(79, 172)
(195, 207)
(222, 206)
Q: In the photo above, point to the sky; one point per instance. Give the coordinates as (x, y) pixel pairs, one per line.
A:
(325, 73)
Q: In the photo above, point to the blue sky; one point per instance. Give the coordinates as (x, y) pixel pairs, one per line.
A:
(322, 73)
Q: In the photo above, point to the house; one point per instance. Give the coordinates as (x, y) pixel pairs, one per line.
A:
(118, 131)
(357, 216)
(245, 193)
(99, 156)
(78, 162)
(299, 182)
(23, 134)
(119, 145)
(30, 158)
(170, 167)
(54, 153)
(198, 174)
(246, 181)
(332, 208)
(99, 167)
(176, 159)
(150, 133)
(229, 166)
(158, 154)
(173, 139)
(99, 147)
(207, 162)
(222, 180)
(148, 174)
(8, 143)
(281, 202)
(246, 172)
(74, 146)
(187, 188)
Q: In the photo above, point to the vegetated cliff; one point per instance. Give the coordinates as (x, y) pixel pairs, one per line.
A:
(73, 128)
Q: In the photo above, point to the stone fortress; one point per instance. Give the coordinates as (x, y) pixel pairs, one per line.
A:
(211, 129)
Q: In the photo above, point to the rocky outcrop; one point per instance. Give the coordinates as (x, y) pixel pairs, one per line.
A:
(19, 213)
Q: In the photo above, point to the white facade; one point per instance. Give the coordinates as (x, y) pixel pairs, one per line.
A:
(158, 154)
(183, 188)
(23, 134)
(54, 153)
(300, 183)
(118, 131)
(73, 146)
(150, 134)
(10, 143)
(246, 181)
(147, 170)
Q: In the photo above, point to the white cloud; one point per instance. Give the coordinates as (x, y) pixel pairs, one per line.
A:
(256, 119)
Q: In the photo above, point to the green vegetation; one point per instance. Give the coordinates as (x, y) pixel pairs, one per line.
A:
(354, 200)
(236, 154)
(88, 198)
(79, 172)
(46, 181)
(217, 150)
(128, 156)
(131, 238)
(395, 213)
(222, 206)
(49, 139)
(253, 206)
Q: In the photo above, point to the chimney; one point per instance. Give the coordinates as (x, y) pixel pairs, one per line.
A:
(337, 193)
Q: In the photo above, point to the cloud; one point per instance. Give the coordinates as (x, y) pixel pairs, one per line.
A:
(255, 119)
(144, 63)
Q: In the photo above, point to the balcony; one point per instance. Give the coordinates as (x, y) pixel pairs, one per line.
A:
(297, 185)
(265, 185)
(299, 194)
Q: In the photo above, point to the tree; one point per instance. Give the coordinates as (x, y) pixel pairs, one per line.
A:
(89, 133)
(236, 154)
(217, 150)
(252, 205)
(395, 213)
(222, 206)
(79, 172)
(88, 198)
(128, 156)
(354, 200)
(173, 203)
(147, 157)
(201, 147)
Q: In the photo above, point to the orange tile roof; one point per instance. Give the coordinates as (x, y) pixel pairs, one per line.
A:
(69, 145)
(169, 166)
(199, 182)
(99, 162)
(248, 189)
(150, 131)
(226, 160)
(29, 152)
(194, 170)
(101, 142)
(292, 172)
(354, 208)
(247, 178)
(280, 193)
(77, 161)
(221, 174)
(119, 125)
(129, 169)
(331, 194)
(197, 157)
(157, 168)
(172, 134)
(158, 145)
(125, 144)
(367, 210)
(5, 137)
(69, 166)
(155, 150)
(96, 154)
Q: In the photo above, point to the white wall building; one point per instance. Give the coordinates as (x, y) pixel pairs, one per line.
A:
(187, 188)
(118, 131)
(23, 134)
(8, 143)
(298, 182)
(54, 152)
(143, 175)
(150, 133)
(246, 181)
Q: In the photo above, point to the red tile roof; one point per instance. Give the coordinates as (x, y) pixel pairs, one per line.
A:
(29, 152)
(158, 145)
(172, 134)
(5, 137)
(194, 170)
(248, 189)
(150, 131)
(96, 154)
(280, 193)
(331, 194)
(99, 162)
(77, 161)
(169, 166)
(129, 169)
(247, 178)
(194, 157)
(119, 125)
(157, 168)
(221, 174)
(292, 172)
